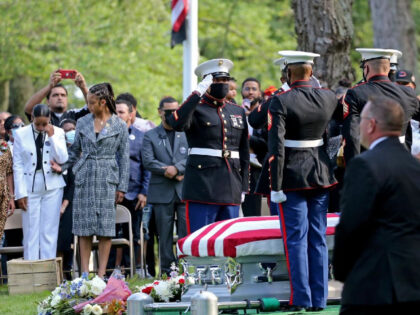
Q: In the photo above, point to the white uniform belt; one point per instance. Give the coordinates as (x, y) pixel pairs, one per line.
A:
(214, 152)
(303, 143)
(402, 139)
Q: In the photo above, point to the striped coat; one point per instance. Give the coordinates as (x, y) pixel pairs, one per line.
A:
(101, 167)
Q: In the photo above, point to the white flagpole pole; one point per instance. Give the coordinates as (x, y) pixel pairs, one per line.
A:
(190, 51)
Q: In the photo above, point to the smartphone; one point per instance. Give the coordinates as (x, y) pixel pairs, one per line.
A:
(68, 74)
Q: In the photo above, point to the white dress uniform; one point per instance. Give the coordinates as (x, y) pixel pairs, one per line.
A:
(43, 188)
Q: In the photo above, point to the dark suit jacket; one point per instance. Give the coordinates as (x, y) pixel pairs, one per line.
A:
(377, 242)
(156, 154)
(139, 176)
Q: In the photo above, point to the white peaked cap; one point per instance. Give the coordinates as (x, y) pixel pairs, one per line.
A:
(217, 67)
(396, 54)
(376, 53)
(295, 56)
(280, 62)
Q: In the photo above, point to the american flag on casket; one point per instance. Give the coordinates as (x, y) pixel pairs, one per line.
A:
(248, 236)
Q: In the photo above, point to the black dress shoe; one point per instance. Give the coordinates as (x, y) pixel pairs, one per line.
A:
(314, 309)
(292, 308)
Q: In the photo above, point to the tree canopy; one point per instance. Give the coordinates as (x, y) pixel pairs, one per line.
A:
(126, 42)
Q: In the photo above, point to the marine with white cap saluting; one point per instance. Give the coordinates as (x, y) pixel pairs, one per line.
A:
(300, 175)
(217, 170)
(376, 66)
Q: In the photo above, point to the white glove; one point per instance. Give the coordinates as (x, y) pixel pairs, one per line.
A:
(204, 85)
(243, 197)
(277, 196)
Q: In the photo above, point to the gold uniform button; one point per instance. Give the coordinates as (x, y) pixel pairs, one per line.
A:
(225, 121)
(215, 103)
(199, 166)
(223, 115)
(208, 123)
(225, 138)
(225, 146)
(225, 130)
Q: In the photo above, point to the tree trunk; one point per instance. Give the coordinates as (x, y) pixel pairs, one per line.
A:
(4, 96)
(393, 27)
(326, 27)
(21, 89)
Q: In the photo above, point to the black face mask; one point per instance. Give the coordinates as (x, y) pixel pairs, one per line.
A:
(219, 90)
(168, 113)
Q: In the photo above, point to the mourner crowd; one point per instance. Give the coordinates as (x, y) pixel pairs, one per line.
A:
(301, 146)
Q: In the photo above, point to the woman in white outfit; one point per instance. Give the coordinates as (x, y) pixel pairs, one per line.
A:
(39, 191)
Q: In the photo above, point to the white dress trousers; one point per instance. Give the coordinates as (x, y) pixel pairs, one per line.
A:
(41, 220)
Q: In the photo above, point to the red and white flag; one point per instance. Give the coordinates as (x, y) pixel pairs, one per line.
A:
(179, 13)
(241, 237)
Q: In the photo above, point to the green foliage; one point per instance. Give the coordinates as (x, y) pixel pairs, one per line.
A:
(126, 42)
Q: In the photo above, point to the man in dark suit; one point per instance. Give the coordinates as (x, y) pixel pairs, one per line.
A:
(377, 242)
(165, 153)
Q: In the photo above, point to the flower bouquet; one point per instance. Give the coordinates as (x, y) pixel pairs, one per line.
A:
(87, 296)
(167, 289)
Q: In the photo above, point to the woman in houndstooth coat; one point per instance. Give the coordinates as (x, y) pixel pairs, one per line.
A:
(100, 161)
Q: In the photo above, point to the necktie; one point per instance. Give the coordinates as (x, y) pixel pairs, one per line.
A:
(39, 143)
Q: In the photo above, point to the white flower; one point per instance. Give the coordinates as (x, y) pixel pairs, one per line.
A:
(163, 289)
(84, 290)
(97, 310)
(56, 291)
(56, 299)
(97, 285)
(190, 280)
(87, 309)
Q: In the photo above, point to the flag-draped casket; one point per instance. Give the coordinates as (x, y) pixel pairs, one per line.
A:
(241, 258)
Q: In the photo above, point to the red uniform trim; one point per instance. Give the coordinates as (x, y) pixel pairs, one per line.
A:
(187, 217)
(176, 115)
(286, 251)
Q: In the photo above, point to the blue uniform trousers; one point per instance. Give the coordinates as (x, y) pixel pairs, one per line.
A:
(201, 214)
(303, 221)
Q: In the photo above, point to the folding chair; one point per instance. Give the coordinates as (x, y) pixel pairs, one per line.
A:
(122, 215)
(12, 222)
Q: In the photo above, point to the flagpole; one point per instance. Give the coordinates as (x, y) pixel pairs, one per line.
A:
(190, 51)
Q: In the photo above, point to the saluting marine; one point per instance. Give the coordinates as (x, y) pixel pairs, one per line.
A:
(300, 175)
(217, 170)
(376, 66)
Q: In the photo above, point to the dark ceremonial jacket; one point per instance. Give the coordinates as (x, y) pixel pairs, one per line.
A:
(258, 120)
(301, 113)
(214, 125)
(358, 96)
(377, 241)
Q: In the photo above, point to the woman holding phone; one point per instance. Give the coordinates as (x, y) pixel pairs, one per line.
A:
(38, 189)
(100, 160)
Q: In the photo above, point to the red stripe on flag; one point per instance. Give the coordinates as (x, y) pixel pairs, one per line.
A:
(212, 239)
(243, 237)
(196, 241)
(179, 13)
